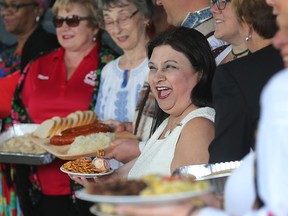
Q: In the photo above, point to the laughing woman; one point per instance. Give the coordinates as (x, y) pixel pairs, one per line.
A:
(181, 70)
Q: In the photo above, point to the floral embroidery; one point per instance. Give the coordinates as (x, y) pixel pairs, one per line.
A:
(10, 61)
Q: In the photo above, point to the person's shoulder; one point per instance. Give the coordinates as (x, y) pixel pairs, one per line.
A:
(266, 59)
(203, 112)
(264, 55)
(110, 68)
(111, 64)
(249, 61)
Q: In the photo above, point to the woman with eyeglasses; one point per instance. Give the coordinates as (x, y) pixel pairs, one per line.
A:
(57, 84)
(227, 29)
(126, 21)
(237, 85)
(122, 79)
(22, 19)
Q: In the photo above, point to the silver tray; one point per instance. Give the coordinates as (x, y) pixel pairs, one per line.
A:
(22, 158)
(216, 173)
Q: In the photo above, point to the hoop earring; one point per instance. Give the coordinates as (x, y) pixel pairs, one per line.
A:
(248, 37)
(37, 19)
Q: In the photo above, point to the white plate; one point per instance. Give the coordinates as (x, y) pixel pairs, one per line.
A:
(95, 210)
(86, 175)
(82, 194)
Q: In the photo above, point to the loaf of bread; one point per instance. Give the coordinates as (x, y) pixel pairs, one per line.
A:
(55, 125)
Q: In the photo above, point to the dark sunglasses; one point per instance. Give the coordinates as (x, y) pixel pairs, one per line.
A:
(71, 21)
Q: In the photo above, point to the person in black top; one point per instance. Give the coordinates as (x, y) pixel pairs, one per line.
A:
(237, 85)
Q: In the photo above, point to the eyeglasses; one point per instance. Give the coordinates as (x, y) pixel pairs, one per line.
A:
(221, 4)
(71, 21)
(121, 21)
(14, 7)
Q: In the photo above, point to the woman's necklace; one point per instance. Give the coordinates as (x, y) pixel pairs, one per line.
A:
(236, 55)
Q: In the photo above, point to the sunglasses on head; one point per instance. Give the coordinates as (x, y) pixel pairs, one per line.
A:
(71, 21)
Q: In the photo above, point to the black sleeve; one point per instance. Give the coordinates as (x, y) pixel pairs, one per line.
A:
(230, 118)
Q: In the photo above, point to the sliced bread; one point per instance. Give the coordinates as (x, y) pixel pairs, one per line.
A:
(75, 119)
(45, 129)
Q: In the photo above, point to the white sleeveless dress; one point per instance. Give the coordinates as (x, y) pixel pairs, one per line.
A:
(157, 155)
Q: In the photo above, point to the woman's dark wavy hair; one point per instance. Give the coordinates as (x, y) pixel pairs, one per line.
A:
(196, 48)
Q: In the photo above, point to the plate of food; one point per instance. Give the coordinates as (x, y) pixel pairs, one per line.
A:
(87, 175)
(86, 167)
(19, 146)
(216, 173)
(147, 190)
(97, 210)
(79, 134)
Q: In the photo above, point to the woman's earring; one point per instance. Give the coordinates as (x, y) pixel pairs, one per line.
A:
(94, 39)
(247, 38)
(37, 19)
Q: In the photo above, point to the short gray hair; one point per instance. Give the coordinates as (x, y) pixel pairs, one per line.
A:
(145, 7)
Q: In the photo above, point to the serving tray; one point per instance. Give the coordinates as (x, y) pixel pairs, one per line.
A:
(22, 158)
(60, 151)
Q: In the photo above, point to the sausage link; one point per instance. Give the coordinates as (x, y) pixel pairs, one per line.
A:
(69, 135)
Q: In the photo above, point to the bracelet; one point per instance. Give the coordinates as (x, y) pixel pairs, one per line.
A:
(192, 210)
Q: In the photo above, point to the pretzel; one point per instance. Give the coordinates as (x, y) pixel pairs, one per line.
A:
(82, 165)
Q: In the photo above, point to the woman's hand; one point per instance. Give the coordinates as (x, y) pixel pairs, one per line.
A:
(85, 181)
(123, 150)
(186, 208)
(179, 209)
(119, 127)
(90, 182)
